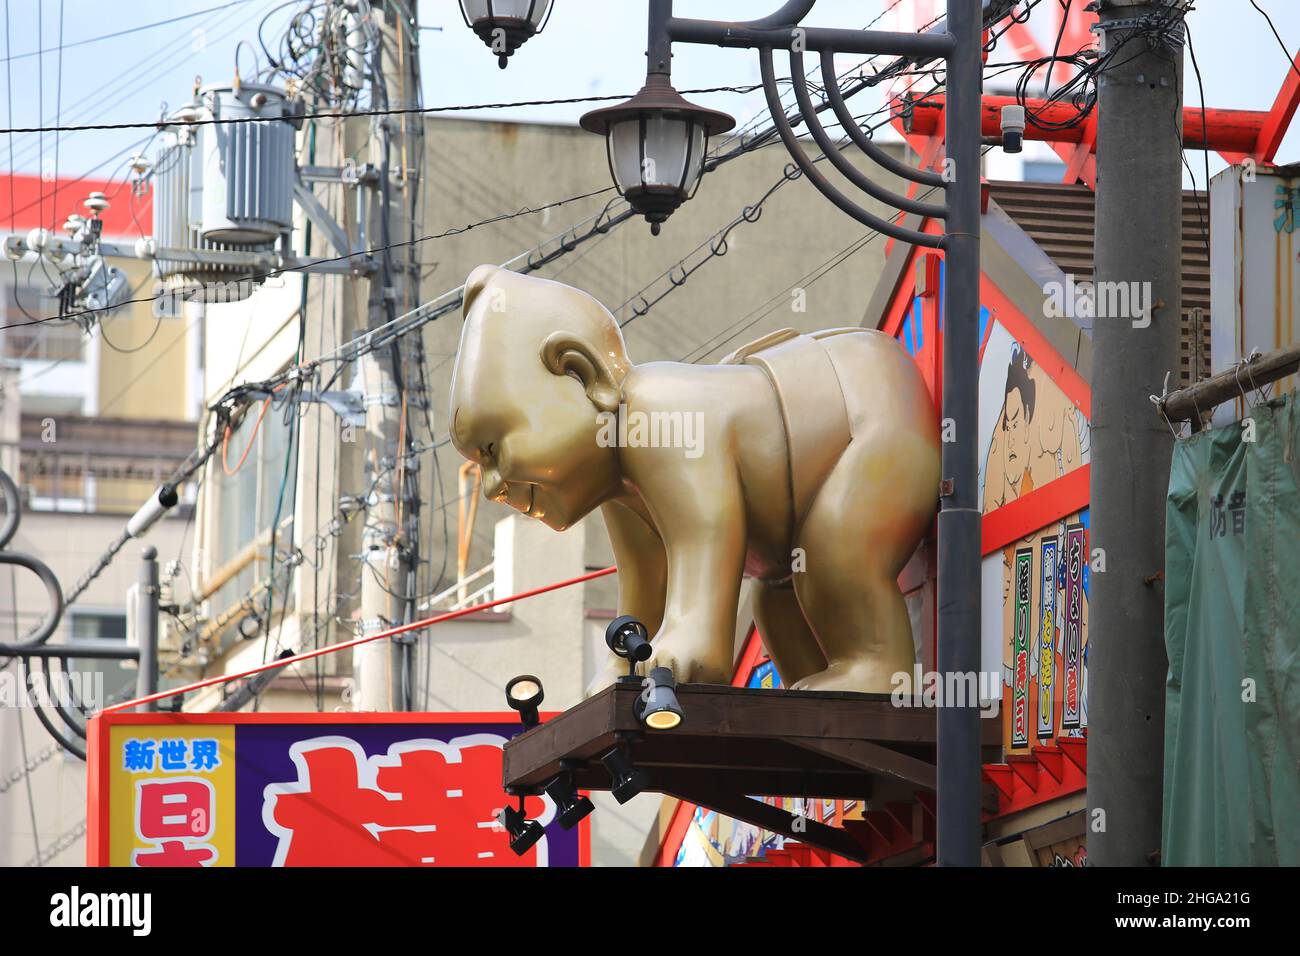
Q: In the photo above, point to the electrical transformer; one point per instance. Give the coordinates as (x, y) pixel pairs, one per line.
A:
(223, 187)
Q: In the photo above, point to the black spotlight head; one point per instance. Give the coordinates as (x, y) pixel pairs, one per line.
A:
(524, 694)
(628, 638)
(523, 832)
(628, 780)
(571, 807)
(659, 708)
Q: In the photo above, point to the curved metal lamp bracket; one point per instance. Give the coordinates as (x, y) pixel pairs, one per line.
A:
(837, 158)
(50, 622)
(814, 175)
(864, 142)
(34, 646)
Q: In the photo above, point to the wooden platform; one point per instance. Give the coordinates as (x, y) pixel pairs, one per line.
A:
(737, 743)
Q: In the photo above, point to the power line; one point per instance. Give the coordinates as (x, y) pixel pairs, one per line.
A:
(348, 114)
(122, 33)
(1290, 60)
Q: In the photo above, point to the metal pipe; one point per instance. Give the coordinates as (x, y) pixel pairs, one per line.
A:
(13, 509)
(146, 681)
(42, 632)
(108, 652)
(958, 731)
(865, 42)
(862, 140)
(837, 158)
(659, 46)
(63, 741)
(818, 180)
(790, 13)
(57, 701)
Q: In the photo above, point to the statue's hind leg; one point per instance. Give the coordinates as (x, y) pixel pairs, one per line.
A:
(856, 537)
(786, 634)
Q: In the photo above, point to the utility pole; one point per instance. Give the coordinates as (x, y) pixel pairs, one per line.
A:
(1138, 240)
(389, 540)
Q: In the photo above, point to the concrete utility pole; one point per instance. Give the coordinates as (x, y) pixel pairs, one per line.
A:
(388, 543)
(1138, 240)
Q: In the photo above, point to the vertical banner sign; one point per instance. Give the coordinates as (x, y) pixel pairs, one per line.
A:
(1071, 711)
(309, 790)
(1020, 649)
(1047, 643)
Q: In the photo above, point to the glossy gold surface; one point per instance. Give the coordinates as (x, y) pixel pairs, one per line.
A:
(810, 462)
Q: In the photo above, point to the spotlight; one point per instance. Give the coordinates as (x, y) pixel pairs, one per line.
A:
(658, 707)
(628, 780)
(523, 832)
(571, 806)
(524, 694)
(628, 638)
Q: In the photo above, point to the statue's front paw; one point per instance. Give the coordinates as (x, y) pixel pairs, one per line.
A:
(605, 678)
(691, 661)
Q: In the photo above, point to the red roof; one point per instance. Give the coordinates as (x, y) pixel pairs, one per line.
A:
(26, 201)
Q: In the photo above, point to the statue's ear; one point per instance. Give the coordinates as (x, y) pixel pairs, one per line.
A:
(566, 354)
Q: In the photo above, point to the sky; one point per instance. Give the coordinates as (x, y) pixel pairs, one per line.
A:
(589, 48)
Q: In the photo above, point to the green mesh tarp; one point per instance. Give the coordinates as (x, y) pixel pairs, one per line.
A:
(1232, 630)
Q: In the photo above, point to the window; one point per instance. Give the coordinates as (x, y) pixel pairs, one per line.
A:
(48, 341)
(118, 677)
(98, 626)
(246, 504)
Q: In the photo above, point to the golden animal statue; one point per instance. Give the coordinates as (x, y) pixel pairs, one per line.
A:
(809, 462)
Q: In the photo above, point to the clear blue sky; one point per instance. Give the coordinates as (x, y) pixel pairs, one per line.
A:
(591, 47)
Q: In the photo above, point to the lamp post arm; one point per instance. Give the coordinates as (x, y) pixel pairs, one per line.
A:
(862, 140)
(818, 180)
(840, 162)
(862, 42)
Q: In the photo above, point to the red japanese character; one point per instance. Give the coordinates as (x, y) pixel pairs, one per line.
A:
(423, 803)
(175, 814)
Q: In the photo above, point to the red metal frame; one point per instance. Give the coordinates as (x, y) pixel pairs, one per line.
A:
(97, 747)
(1236, 135)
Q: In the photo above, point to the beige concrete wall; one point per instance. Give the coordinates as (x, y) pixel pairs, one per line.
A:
(149, 378)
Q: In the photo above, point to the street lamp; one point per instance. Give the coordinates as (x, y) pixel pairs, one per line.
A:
(504, 25)
(631, 138)
(656, 143)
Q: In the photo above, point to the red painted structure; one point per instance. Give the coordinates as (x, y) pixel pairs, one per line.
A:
(28, 201)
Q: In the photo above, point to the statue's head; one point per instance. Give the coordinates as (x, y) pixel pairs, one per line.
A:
(539, 363)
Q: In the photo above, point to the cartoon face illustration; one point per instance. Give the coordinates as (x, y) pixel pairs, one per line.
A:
(1017, 417)
(1036, 438)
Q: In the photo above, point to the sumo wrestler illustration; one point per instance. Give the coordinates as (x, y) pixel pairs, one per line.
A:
(812, 466)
